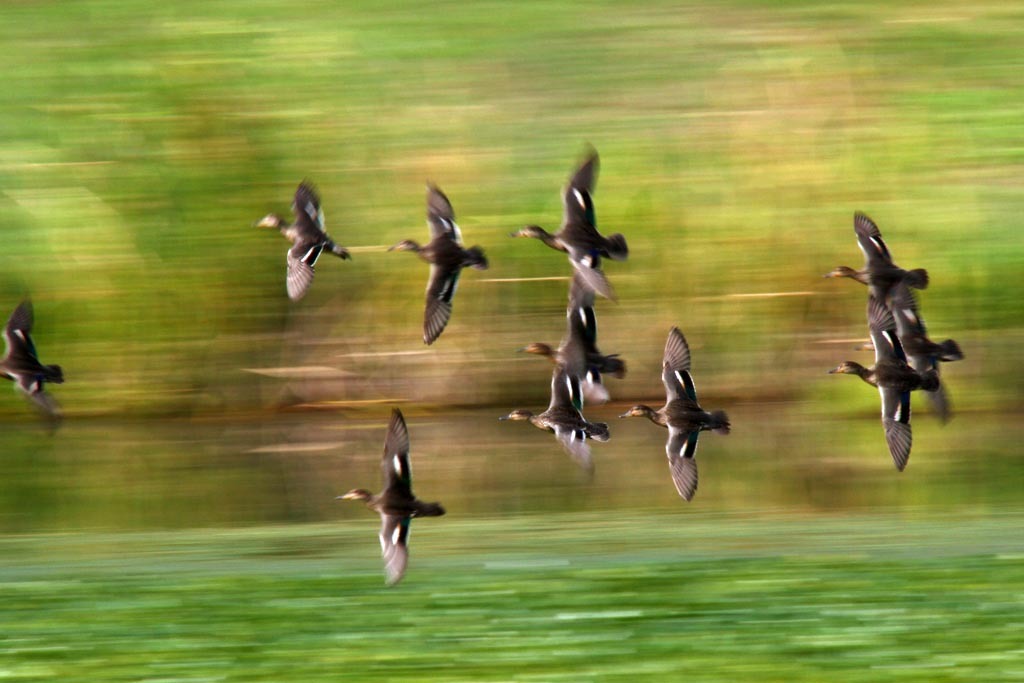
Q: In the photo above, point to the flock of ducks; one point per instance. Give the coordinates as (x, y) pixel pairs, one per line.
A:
(898, 335)
(905, 359)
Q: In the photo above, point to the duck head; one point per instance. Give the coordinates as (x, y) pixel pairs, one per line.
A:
(848, 367)
(539, 348)
(531, 231)
(356, 494)
(639, 410)
(519, 414)
(846, 271)
(405, 245)
(271, 220)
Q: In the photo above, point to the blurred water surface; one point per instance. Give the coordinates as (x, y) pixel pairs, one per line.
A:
(164, 474)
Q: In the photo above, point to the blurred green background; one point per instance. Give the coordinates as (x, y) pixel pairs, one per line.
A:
(140, 143)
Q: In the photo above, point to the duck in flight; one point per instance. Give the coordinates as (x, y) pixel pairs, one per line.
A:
(564, 419)
(880, 274)
(578, 235)
(396, 504)
(307, 237)
(577, 353)
(893, 378)
(681, 414)
(21, 364)
(446, 257)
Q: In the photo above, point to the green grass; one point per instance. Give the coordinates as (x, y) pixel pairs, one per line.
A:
(577, 597)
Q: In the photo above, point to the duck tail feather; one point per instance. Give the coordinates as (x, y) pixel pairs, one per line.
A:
(949, 350)
(720, 422)
(917, 278)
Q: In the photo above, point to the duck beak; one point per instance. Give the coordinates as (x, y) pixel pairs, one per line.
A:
(624, 415)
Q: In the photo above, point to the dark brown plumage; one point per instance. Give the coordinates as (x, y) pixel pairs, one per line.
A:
(396, 504)
(307, 237)
(577, 353)
(578, 235)
(681, 414)
(21, 364)
(880, 274)
(564, 419)
(922, 353)
(446, 257)
(893, 377)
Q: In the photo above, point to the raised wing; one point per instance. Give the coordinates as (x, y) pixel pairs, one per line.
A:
(395, 461)
(869, 238)
(578, 206)
(441, 216)
(585, 177)
(302, 257)
(16, 332)
(394, 546)
(565, 391)
(440, 291)
(883, 332)
(306, 207)
(681, 448)
(675, 368)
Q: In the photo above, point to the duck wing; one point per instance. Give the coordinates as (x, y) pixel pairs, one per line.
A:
(681, 448)
(870, 241)
(309, 217)
(302, 258)
(896, 421)
(585, 177)
(395, 461)
(588, 266)
(895, 402)
(884, 338)
(441, 216)
(675, 368)
(565, 391)
(912, 332)
(574, 442)
(444, 280)
(17, 334)
(394, 546)
(581, 295)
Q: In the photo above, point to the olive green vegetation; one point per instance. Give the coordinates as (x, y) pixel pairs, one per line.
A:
(711, 598)
(142, 140)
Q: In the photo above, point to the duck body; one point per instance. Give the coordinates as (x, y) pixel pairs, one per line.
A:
(447, 257)
(578, 354)
(308, 238)
(564, 419)
(894, 379)
(922, 353)
(21, 364)
(396, 504)
(578, 236)
(682, 415)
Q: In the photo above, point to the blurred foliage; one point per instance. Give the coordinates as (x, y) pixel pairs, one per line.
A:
(141, 141)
